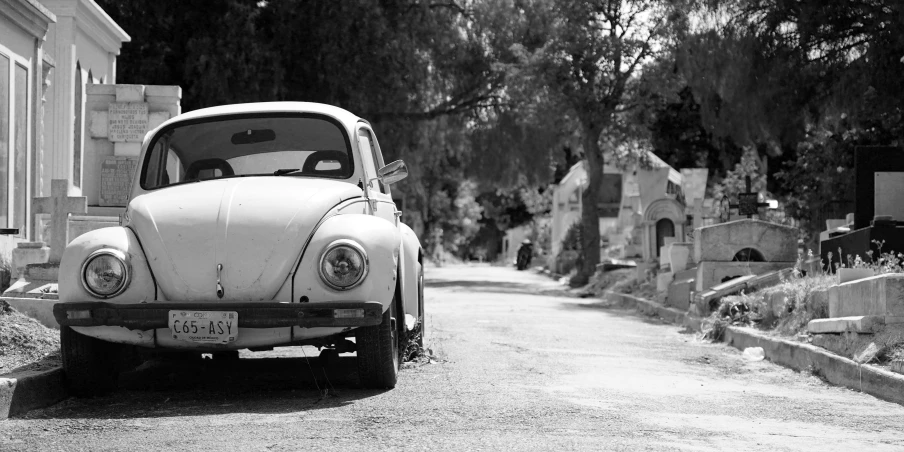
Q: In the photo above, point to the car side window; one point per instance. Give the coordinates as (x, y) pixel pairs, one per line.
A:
(370, 157)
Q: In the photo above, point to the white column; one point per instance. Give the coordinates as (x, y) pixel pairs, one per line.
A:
(59, 143)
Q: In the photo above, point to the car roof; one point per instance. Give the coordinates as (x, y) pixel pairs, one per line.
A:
(344, 116)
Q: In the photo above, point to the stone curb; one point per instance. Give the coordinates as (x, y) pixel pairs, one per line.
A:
(30, 389)
(652, 308)
(834, 369)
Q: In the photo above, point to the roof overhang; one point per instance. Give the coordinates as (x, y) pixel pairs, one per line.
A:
(93, 21)
(32, 16)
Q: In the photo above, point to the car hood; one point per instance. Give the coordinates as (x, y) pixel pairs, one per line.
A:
(254, 227)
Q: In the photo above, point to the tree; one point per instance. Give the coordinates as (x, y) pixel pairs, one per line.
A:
(591, 66)
(803, 81)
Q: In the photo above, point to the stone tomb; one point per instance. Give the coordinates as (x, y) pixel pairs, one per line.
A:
(743, 247)
(864, 306)
(119, 116)
(878, 207)
(38, 277)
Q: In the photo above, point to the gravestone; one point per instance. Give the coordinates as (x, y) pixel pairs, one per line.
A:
(40, 278)
(878, 195)
(864, 306)
(59, 205)
(116, 174)
(742, 247)
(119, 117)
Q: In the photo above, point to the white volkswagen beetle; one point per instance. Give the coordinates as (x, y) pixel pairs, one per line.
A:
(248, 227)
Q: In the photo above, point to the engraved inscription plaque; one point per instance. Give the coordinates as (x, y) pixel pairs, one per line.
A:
(127, 121)
(116, 180)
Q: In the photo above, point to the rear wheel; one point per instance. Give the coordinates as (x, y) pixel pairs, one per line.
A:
(378, 351)
(91, 365)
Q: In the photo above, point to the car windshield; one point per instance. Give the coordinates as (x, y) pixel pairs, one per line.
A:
(298, 146)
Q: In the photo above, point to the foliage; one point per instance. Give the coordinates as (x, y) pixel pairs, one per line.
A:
(589, 70)
(796, 306)
(803, 82)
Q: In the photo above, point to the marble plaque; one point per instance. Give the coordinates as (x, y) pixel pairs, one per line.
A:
(889, 199)
(127, 121)
(116, 180)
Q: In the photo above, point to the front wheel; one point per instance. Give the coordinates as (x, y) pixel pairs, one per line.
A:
(91, 365)
(378, 351)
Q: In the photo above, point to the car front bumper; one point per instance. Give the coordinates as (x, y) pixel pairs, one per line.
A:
(146, 316)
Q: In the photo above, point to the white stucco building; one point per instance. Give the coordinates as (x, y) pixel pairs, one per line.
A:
(49, 51)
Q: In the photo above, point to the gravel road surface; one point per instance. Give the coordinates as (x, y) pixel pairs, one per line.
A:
(518, 366)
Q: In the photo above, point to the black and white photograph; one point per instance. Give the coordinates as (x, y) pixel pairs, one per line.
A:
(451, 225)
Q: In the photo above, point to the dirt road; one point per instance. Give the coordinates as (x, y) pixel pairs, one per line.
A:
(520, 367)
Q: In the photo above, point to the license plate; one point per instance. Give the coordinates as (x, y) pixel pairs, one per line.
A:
(212, 327)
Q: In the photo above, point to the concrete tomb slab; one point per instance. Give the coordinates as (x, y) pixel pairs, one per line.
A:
(881, 295)
(722, 242)
(857, 324)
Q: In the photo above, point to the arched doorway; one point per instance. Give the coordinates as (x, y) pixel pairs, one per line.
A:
(749, 255)
(664, 228)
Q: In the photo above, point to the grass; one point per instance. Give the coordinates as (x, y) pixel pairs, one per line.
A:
(23, 340)
(796, 302)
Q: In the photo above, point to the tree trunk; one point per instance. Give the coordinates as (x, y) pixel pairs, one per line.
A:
(590, 219)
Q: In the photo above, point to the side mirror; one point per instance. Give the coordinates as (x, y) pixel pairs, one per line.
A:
(393, 172)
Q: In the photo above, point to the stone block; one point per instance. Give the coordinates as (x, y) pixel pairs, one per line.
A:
(97, 123)
(680, 293)
(129, 93)
(28, 253)
(879, 295)
(663, 280)
(155, 118)
(36, 308)
(679, 253)
(857, 324)
(100, 90)
(897, 366)
(710, 274)
(721, 242)
(163, 91)
(43, 272)
(689, 273)
(835, 223)
(126, 149)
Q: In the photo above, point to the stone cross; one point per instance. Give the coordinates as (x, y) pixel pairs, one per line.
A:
(698, 212)
(748, 203)
(59, 205)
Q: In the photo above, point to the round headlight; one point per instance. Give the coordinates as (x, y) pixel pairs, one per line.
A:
(105, 273)
(343, 265)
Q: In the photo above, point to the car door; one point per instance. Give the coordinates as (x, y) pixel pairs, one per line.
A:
(380, 195)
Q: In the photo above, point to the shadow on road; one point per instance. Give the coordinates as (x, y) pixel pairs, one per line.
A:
(211, 387)
(497, 287)
(616, 310)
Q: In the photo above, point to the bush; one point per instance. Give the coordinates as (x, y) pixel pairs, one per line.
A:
(572, 255)
(798, 305)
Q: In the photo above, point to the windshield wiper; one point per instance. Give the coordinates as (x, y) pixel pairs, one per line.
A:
(284, 171)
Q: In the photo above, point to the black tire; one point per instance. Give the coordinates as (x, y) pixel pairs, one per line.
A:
(230, 355)
(328, 357)
(91, 365)
(378, 351)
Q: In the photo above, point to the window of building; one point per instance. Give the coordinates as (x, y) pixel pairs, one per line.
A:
(20, 142)
(77, 128)
(14, 142)
(5, 148)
